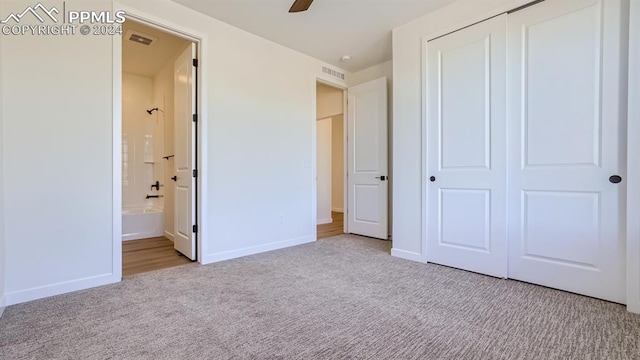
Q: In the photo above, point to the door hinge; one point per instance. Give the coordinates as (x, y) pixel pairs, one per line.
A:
(195, 117)
(195, 173)
(195, 62)
(195, 229)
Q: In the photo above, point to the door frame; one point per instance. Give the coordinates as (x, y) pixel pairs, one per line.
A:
(631, 232)
(633, 162)
(314, 151)
(201, 140)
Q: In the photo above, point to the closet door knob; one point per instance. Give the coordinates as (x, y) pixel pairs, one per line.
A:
(432, 179)
(615, 179)
(174, 178)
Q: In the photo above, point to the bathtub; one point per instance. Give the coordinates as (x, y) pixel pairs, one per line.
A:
(142, 223)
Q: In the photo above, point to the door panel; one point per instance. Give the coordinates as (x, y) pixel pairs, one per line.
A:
(471, 208)
(570, 241)
(562, 58)
(469, 124)
(564, 143)
(367, 159)
(184, 146)
(466, 141)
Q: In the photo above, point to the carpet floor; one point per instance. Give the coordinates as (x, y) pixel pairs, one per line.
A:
(338, 298)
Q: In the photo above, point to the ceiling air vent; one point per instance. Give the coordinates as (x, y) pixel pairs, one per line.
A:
(140, 38)
(334, 73)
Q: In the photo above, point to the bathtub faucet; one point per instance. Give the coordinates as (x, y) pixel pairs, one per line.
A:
(156, 185)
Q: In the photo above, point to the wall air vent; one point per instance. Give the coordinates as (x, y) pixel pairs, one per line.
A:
(334, 73)
(140, 38)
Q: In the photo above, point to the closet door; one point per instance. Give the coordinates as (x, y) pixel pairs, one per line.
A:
(466, 144)
(565, 143)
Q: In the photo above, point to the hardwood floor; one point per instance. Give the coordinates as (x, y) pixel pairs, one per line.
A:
(145, 255)
(333, 229)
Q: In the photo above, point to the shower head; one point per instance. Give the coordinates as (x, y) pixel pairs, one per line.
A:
(150, 111)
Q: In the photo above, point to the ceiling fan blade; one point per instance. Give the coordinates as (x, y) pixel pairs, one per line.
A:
(300, 5)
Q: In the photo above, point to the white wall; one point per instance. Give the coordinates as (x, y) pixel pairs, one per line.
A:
(372, 73)
(58, 176)
(407, 112)
(337, 163)
(139, 141)
(633, 171)
(324, 164)
(258, 116)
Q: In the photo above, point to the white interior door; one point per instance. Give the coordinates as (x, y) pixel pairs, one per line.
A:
(565, 143)
(466, 144)
(367, 176)
(185, 128)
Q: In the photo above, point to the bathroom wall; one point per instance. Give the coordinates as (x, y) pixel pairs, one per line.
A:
(142, 140)
(163, 98)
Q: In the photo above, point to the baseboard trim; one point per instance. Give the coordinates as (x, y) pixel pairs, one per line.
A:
(59, 288)
(233, 254)
(169, 236)
(1, 312)
(325, 221)
(338, 210)
(407, 255)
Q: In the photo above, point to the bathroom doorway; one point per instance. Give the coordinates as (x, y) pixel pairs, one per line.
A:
(159, 143)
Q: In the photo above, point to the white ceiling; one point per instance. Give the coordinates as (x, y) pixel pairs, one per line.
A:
(328, 30)
(148, 60)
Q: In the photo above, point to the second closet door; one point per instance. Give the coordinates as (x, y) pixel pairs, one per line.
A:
(564, 145)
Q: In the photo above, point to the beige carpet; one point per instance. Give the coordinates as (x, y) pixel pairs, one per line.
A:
(338, 298)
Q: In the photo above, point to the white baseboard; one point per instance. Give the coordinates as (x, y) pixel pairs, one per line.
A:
(233, 254)
(325, 221)
(407, 255)
(338, 210)
(169, 236)
(59, 288)
(1, 311)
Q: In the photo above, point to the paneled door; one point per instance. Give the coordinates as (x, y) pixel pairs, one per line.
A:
(185, 161)
(367, 177)
(466, 144)
(565, 141)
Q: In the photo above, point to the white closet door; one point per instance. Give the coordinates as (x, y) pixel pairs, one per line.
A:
(564, 144)
(466, 144)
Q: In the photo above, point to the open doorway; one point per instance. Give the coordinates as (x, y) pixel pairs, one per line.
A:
(159, 196)
(351, 155)
(330, 162)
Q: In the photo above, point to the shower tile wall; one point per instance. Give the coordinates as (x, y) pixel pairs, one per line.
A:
(142, 142)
